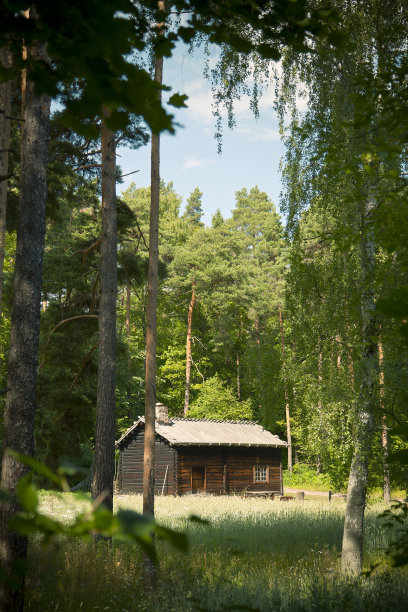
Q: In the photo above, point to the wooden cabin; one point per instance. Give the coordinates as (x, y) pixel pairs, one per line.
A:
(202, 456)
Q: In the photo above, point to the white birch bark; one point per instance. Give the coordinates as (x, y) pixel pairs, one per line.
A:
(352, 549)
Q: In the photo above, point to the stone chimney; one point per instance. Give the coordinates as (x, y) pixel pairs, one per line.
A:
(162, 413)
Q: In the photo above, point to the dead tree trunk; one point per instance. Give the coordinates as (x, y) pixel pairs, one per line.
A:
(188, 350)
(25, 318)
(5, 112)
(352, 549)
(104, 463)
(285, 388)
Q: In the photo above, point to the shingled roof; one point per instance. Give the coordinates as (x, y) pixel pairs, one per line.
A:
(208, 432)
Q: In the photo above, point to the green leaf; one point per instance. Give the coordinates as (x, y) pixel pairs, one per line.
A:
(194, 518)
(176, 538)
(178, 100)
(135, 524)
(269, 52)
(47, 525)
(37, 466)
(27, 493)
(23, 524)
(70, 469)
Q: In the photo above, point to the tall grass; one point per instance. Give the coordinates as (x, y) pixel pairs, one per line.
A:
(255, 554)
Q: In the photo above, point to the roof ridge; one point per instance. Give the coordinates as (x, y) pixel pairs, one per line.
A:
(234, 421)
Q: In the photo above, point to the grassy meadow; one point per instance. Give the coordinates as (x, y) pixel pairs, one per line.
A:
(255, 554)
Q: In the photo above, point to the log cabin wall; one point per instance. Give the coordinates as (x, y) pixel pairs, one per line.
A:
(131, 466)
(240, 464)
(192, 458)
(227, 469)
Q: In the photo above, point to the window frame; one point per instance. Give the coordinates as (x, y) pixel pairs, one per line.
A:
(259, 466)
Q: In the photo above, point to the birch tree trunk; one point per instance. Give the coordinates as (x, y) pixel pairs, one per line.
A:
(238, 377)
(352, 549)
(188, 350)
(319, 401)
(384, 429)
(104, 462)
(285, 385)
(25, 318)
(5, 112)
(149, 574)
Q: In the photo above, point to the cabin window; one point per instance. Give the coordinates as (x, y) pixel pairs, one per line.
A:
(261, 473)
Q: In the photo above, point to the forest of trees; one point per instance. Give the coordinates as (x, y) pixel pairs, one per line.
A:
(295, 320)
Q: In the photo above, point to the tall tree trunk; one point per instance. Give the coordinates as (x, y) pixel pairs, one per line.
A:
(188, 350)
(5, 112)
(104, 463)
(129, 360)
(384, 430)
(319, 401)
(25, 318)
(149, 575)
(128, 296)
(238, 377)
(338, 359)
(352, 549)
(285, 386)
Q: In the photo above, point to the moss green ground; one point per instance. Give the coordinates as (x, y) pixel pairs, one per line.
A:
(256, 554)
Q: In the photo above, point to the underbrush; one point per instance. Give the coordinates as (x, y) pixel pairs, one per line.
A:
(305, 476)
(255, 554)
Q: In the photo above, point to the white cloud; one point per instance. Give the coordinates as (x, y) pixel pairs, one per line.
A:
(195, 162)
(258, 133)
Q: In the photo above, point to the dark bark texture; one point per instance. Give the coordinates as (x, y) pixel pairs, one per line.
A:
(5, 112)
(25, 319)
(104, 465)
(149, 574)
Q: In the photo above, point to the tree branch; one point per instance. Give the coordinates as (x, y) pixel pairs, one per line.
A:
(55, 329)
(86, 251)
(82, 367)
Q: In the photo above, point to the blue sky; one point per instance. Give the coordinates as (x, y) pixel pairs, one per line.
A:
(250, 154)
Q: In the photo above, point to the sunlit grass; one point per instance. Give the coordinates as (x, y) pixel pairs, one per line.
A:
(254, 554)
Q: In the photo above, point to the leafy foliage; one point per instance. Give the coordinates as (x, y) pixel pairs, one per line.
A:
(306, 475)
(95, 521)
(216, 401)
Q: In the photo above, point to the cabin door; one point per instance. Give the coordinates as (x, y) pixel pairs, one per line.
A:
(197, 479)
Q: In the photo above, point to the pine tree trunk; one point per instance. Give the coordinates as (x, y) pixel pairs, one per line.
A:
(285, 385)
(188, 351)
(352, 549)
(104, 463)
(5, 112)
(384, 430)
(149, 574)
(129, 360)
(25, 318)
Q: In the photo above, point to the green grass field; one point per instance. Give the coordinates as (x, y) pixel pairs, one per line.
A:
(256, 554)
